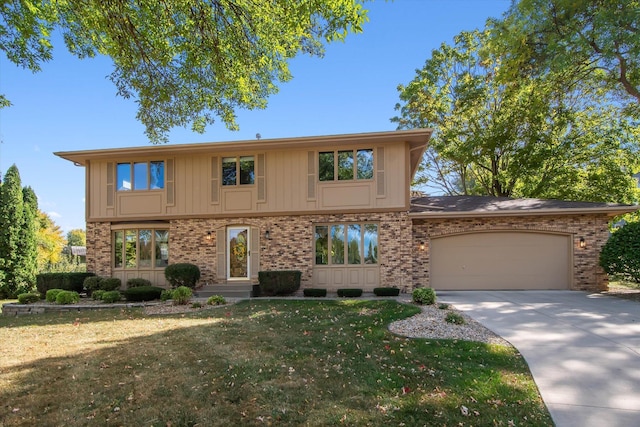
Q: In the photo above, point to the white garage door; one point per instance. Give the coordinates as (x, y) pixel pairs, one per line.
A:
(501, 260)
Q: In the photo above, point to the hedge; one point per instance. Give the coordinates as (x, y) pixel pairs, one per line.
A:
(283, 282)
(64, 281)
(142, 293)
(350, 292)
(386, 292)
(314, 292)
(182, 274)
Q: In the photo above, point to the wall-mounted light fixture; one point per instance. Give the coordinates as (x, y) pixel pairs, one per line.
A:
(583, 244)
(422, 246)
(209, 236)
(267, 235)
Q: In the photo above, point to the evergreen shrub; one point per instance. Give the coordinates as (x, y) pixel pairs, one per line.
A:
(386, 292)
(110, 284)
(314, 292)
(275, 283)
(216, 300)
(182, 274)
(67, 297)
(52, 294)
(142, 293)
(425, 296)
(138, 282)
(65, 281)
(111, 296)
(29, 298)
(181, 295)
(350, 292)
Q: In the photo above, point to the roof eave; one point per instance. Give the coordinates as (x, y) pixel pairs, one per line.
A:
(610, 211)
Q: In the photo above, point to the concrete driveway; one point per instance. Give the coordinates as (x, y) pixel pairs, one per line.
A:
(583, 349)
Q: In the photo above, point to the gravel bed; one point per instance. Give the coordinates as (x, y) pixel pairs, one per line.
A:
(430, 323)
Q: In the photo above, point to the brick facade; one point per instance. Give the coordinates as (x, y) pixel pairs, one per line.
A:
(587, 274)
(403, 243)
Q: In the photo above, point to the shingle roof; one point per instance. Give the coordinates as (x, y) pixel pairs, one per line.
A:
(487, 205)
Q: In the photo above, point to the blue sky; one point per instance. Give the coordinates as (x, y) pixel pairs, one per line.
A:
(71, 105)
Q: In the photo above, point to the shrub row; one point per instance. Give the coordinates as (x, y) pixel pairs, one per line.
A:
(64, 281)
(350, 292)
(61, 296)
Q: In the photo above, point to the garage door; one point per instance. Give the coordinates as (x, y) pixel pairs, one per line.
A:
(501, 260)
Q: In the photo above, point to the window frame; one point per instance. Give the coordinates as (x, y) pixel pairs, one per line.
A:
(148, 176)
(155, 257)
(327, 247)
(340, 158)
(239, 174)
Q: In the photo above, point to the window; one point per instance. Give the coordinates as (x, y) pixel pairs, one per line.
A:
(140, 176)
(350, 244)
(346, 165)
(238, 170)
(140, 248)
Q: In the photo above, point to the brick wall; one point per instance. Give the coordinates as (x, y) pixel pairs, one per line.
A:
(587, 274)
(99, 248)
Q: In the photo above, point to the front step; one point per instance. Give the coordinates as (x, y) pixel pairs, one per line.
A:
(227, 291)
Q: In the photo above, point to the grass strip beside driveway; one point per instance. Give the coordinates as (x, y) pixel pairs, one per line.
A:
(266, 362)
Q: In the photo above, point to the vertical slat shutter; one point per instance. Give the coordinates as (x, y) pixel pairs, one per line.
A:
(170, 174)
(260, 177)
(110, 184)
(215, 181)
(380, 182)
(255, 252)
(221, 253)
(311, 176)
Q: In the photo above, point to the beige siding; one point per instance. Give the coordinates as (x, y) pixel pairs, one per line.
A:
(288, 182)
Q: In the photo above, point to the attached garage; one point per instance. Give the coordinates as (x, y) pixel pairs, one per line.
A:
(501, 260)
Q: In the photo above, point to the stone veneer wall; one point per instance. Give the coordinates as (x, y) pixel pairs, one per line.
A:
(290, 246)
(587, 274)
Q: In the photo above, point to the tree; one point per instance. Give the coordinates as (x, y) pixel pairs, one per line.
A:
(620, 256)
(76, 237)
(595, 39)
(11, 222)
(184, 62)
(50, 242)
(524, 137)
(29, 246)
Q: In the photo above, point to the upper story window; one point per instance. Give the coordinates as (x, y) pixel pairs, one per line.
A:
(345, 165)
(140, 176)
(238, 170)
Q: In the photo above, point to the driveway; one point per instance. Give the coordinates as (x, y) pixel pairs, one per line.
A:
(582, 349)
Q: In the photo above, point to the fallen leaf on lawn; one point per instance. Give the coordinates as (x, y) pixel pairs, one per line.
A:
(464, 410)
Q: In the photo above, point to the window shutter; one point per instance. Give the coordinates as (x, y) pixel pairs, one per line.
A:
(311, 176)
(260, 175)
(221, 253)
(215, 181)
(170, 177)
(380, 181)
(110, 184)
(255, 252)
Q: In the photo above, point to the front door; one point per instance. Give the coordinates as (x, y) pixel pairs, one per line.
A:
(238, 253)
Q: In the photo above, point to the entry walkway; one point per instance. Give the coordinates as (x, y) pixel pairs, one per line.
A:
(582, 349)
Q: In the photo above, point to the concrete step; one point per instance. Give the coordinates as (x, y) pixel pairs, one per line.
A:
(227, 291)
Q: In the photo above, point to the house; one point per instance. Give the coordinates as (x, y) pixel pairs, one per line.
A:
(338, 208)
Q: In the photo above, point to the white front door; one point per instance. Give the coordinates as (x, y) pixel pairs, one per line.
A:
(238, 253)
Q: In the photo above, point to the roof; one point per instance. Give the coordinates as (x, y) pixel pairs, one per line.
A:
(79, 250)
(416, 138)
(478, 206)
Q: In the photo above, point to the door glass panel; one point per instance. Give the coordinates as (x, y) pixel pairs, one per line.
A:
(238, 253)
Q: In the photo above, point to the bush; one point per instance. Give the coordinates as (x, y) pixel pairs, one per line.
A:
(216, 300)
(29, 298)
(64, 281)
(314, 292)
(196, 305)
(67, 297)
(182, 274)
(182, 295)
(91, 284)
(52, 294)
(111, 296)
(138, 282)
(274, 283)
(349, 293)
(386, 292)
(454, 318)
(424, 296)
(443, 306)
(142, 293)
(166, 295)
(110, 284)
(97, 294)
(620, 256)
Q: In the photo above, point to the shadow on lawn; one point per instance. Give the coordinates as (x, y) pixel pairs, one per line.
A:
(258, 363)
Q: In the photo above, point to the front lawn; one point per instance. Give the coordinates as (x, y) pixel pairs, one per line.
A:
(268, 362)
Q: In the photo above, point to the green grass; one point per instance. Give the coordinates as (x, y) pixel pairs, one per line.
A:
(269, 362)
